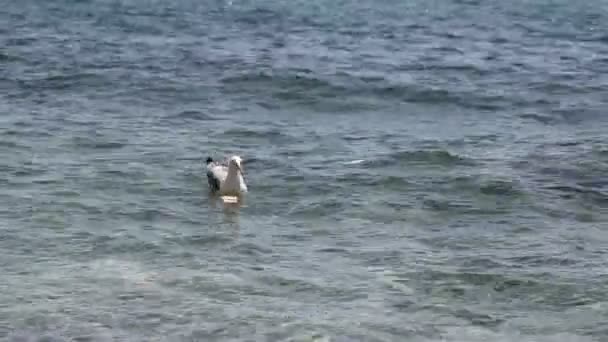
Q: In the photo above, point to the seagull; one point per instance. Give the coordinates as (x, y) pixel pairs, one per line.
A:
(226, 180)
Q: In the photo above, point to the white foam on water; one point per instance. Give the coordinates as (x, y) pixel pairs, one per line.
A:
(354, 162)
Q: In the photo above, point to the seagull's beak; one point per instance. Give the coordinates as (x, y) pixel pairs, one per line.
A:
(239, 167)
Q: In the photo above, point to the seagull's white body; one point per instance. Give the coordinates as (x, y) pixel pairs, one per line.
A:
(226, 180)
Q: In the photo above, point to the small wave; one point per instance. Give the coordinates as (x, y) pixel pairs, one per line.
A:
(322, 208)
(488, 187)
(28, 171)
(478, 319)
(271, 135)
(20, 41)
(602, 153)
(544, 119)
(9, 144)
(338, 90)
(65, 82)
(283, 83)
(390, 182)
(297, 285)
(8, 58)
(333, 250)
(266, 163)
(92, 144)
(426, 157)
(258, 16)
(251, 249)
(592, 196)
(500, 188)
(26, 133)
(192, 115)
(602, 38)
(206, 240)
(442, 205)
(542, 260)
(355, 138)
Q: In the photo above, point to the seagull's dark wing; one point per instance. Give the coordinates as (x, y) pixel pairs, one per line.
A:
(216, 174)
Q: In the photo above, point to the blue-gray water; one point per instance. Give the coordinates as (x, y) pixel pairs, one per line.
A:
(418, 170)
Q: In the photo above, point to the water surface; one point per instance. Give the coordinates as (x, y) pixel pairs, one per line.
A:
(420, 170)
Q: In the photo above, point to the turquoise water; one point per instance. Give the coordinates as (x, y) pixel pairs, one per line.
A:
(418, 171)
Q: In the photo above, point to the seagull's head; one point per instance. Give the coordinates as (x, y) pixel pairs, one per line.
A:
(236, 162)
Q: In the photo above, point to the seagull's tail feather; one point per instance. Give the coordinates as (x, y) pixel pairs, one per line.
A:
(209, 160)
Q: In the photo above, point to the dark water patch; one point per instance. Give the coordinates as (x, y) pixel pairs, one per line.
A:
(424, 158)
(90, 143)
(145, 214)
(544, 119)
(310, 89)
(478, 319)
(467, 69)
(65, 193)
(413, 94)
(260, 16)
(28, 171)
(333, 250)
(283, 84)
(127, 246)
(542, 260)
(307, 290)
(362, 179)
(564, 173)
(587, 195)
(500, 188)
(8, 144)
(577, 114)
(191, 115)
(5, 57)
(23, 124)
(595, 184)
(251, 249)
(477, 189)
(478, 264)
(398, 206)
(437, 144)
(569, 143)
(130, 174)
(21, 41)
(602, 38)
(397, 332)
(444, 205)
(275, 136)
(321, 208)
(392, 182)
(559, 88)
(295, 237)
(379, 257)
(26, 133)
(439, 157)
(80, 205)
(66, 82)
(202, 241)
(265, 164)
(296, 153)
(355, 138)
(478, 139)
(289, 285)
(499, 282)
